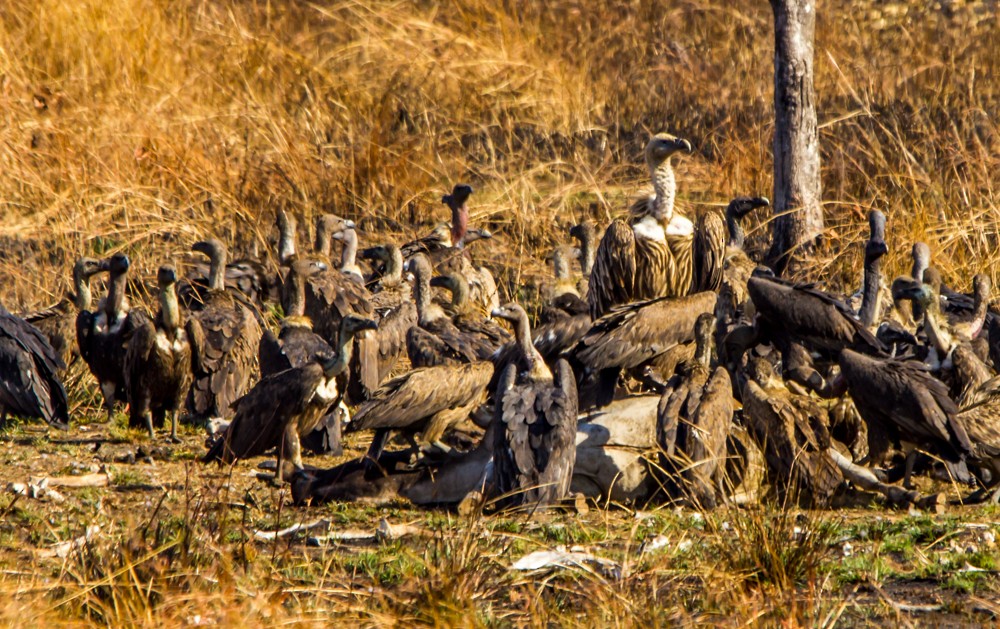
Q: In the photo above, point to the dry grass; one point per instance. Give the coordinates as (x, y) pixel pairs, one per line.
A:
(143, 125)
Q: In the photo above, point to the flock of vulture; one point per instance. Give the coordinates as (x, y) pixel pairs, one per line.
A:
(894, 380)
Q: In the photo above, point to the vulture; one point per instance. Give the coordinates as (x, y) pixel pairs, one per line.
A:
(397, 312)
(227, 353)
(246, 277)
(737, 266)
(486, 334)
(534, 447)
(29, 380)
(657, 252)
(564, 300)
(349, 255)
(102, 336)
(981, 424)
(425, 400)
(650, 333)
(792, 432)
(694, 418)
(159, 362)
(434, 340)
(903, 403)
(287, 405)
(585, 234)
(872, 307)
(296, 344)
(58, 322)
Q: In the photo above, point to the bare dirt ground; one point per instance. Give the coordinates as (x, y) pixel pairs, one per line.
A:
(170, 539)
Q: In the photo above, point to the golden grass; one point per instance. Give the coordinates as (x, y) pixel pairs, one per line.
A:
(144, 125)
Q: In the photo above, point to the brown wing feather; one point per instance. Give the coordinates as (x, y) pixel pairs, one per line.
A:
(708, 252)
(409, 399)
(611, 280)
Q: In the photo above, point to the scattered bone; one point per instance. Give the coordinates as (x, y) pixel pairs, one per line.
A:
(268, 536)
(97, 479)
(383, 533)
(561, 558)
(64, 549)
(866, 479)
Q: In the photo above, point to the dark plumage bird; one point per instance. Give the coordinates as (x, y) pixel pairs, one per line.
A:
(159, 363)
(434, 340)
(58, 322)
(29, 381)
(425, 400)
(534, 446)
(872, 309)
(737, 266)
(903, 403)
(296, 344)
(391, 299)
(289, 404)
(485, 334)
(648, 333)
(102, 336)
(585, 234)
(694, 419)
(657, 252)
(792, 432)
(227, 353)
(449, 239)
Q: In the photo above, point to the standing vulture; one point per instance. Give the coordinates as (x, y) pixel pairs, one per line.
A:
(737, 267)
(58, 322)
(29, 384)
(159, 362)
(534, 445)
(487, 335)
(103, 335)
(657, 253)
(227, 355)
(286, 405)
(903, 403)
(397, 312)
(694, 419)
(585, 234)
(434, 340)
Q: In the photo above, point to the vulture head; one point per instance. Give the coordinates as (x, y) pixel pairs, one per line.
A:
(741, 206)
(875, 248)
(213, 248)
(117, 264)
(921, 260)
(166, 276)
(662, 145)
(86, 268)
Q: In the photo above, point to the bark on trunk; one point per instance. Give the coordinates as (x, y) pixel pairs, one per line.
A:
(797, 186)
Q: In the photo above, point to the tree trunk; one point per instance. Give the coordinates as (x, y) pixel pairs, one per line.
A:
(797, 185)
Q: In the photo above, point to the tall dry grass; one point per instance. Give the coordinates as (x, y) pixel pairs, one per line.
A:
(145, 124)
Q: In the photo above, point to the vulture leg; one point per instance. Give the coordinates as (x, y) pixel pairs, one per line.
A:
(293, 449)
(173, 426)
(607, 382)
(911, 459)
(108, 391)
(379, 441)
(147, 417)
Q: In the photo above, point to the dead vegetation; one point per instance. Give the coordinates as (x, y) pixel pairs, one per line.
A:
(145, 125)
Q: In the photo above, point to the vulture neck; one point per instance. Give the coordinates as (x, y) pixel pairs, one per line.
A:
(460, 296)
(427, 311)
(81, 291)
(323, 240)
(870, 293)
(296, 306)
(116, 297)
(286, 242)
(665, 187)
(703, 351)
(536, 370)
(217, 271)
(587, 253)
(393, 268)
(735, 227)
(345, 345)
(980, 307)
(564, 283)
(170, 312)
(936, 333)
(459, 225)
(349, 256)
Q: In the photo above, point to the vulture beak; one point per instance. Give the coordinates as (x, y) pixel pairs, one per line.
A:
(684, 145)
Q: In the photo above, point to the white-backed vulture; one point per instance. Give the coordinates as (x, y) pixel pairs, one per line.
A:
(657, 252)
(58, 322)
(391, 299)
(102, 336)
(485, 334)
(647, 333)
(159, 363)
(434, 340)
(694, 418)
(425, 400)
(227, 346)
(29, 380)
(534, 430)
(287, 405)
(586, 236)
